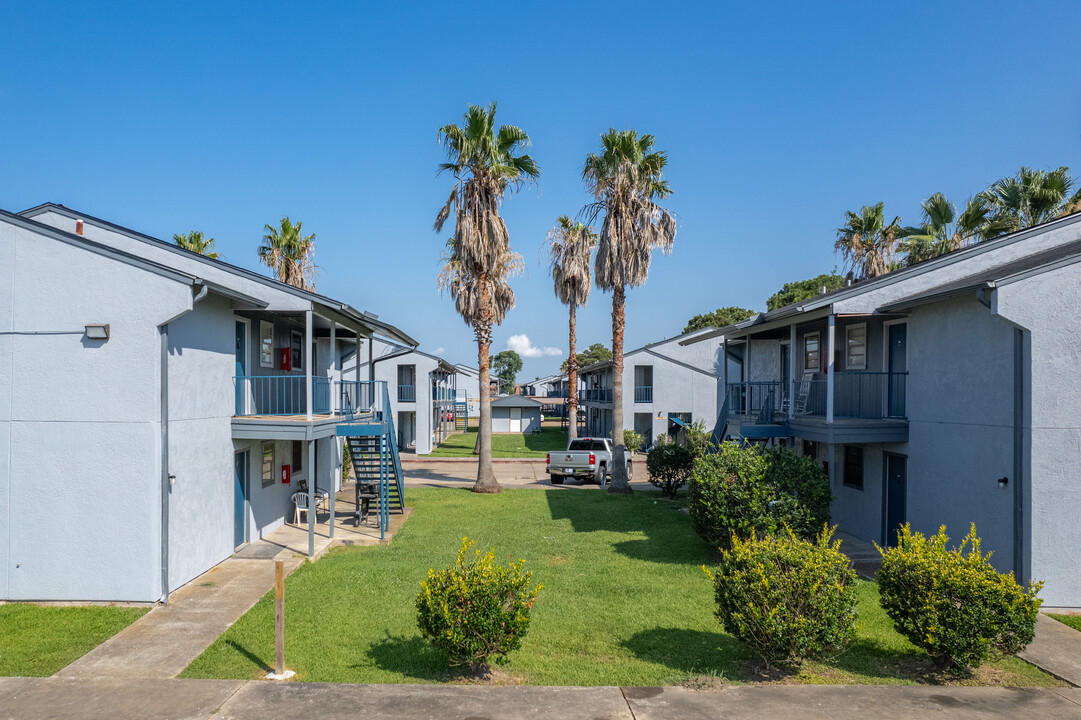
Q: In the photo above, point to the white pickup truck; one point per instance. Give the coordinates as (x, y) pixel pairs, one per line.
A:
(585, 458)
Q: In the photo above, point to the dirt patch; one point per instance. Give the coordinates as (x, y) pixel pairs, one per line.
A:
(555, 559)
(487, 675)
(706, 683)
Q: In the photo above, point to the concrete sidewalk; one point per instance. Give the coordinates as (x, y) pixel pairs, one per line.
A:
(107, 699)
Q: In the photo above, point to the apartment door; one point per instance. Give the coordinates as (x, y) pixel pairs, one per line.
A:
(894, 494)
(516, 419)
(898, 364)
(241, 365)
(240, 498)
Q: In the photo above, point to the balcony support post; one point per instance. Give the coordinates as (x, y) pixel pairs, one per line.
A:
(333, 366)
(792, 370)
(371, 360)
(830, 340)
(308, 366)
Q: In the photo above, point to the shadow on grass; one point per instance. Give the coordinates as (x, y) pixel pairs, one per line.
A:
(251, 657)
(412, 657)
(692, 651)
(873, 659)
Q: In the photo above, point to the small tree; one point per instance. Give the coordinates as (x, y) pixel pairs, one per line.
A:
(633, 440)
(670, 466)
(507, 365)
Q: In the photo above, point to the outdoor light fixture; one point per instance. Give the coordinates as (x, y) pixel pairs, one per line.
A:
(660, 415)
(97, 332)
(1003, 482)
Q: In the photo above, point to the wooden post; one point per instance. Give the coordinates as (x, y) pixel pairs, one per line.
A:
(279, 616)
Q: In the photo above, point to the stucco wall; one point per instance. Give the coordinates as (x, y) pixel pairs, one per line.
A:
(81, 423)
(201, 401)
(1047, 305)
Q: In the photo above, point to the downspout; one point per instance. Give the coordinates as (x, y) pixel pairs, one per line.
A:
(1018, 454)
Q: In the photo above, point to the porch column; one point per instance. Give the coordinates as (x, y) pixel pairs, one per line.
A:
(724, 377)
(334, 476)
(333, 372)
(792, 370)
(371, 365)
(830, 337)
(311, 488)
(356, 365)
(308, 366)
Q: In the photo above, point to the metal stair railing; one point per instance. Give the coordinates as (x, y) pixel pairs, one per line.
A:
(390, 436)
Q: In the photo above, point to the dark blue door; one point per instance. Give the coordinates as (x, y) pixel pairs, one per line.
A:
(240, 485)
(898, 366)
(894, 496)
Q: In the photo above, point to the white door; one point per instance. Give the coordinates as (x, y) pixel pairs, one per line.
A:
(516, 419)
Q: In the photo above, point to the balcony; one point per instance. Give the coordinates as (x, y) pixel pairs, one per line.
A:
(867, 407)
(643, 394)
(407, 393)
(596, 395)
(284, 397)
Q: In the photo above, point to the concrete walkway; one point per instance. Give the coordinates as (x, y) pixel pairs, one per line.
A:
(110, 698)
(1057, 649)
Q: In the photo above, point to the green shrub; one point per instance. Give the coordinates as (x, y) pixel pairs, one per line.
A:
(699, 440)
(953, 603)
(670, 467)
(633, 441)
(476, 609)
(750, 492)
(787, 599)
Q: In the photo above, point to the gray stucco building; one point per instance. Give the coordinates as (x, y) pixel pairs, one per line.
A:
(939, 394)
(153, 402)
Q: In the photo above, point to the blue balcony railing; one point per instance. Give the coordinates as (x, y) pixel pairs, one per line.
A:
(643, 394)
(862, 395)
(280, 395)
(599, 395)
(407, 393)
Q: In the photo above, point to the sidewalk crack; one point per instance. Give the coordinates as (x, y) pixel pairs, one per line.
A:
(629, 708)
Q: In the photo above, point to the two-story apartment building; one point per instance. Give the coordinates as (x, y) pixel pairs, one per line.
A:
(423, 392)
(663, 382)
(157, 408)
(939, 394)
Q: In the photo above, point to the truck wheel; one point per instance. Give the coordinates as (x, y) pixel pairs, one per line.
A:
(556, 479)
(602, 476)
(630, 471)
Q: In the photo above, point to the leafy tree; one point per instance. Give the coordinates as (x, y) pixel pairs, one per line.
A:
(625, 180)
(721, 317)
(595, 353)
(486, 166)
(570, 245)
(195, 242)
(944, 229)
(794, 292)
(867, 242)
(289, 254)
(1031, 197)
(506, 364)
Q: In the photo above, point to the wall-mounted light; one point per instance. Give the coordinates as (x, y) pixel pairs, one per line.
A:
(660, 415)
(97, 332)
(1003, 482)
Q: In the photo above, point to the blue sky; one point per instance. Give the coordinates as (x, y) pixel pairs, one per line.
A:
(777, 117)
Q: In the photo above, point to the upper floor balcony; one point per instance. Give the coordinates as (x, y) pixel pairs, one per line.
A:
(407, 393)
(275, 403)
(864, 407)
(595, 395)
(643, 394)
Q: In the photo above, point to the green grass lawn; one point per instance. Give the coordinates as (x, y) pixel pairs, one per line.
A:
(624, 602)
(1073, 621)
(36, 641)
(505, 445)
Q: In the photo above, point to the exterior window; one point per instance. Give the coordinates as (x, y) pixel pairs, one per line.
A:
(268, 464)
(296, 347)
(643, 383)
(810, 449)
(266, 344)
(853, 466)
(298, 455)
(856, 347)
(812, 356)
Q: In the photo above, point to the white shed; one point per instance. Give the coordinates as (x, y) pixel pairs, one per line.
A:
(514, 414)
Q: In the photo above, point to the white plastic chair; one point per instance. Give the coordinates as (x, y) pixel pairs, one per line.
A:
(300, 505)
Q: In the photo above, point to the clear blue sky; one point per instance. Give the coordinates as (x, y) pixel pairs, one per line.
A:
(777, 117)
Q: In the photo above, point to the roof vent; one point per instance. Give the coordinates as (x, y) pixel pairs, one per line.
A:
(78, 227)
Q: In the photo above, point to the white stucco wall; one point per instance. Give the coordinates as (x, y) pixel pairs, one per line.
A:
(81, 422)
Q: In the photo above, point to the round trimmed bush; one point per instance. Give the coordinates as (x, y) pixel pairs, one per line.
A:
(787, 599)
(953, 603)
(476, 608)
(670, 467)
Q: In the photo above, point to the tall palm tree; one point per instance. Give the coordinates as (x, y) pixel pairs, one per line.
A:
(944, 230)
(195, 242)
(867, 242)
(1030, 197)
(625, 180)
(485, 166)
(291, 255)
(570, 245)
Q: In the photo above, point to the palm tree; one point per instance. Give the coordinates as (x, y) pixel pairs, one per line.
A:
(867, 242)
(570, 245)
(195, 242)
(625, 179)
(1030, 197)
(485, 167)
(943, 230)
(291, 255)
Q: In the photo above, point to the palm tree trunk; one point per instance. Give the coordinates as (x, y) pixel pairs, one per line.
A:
(619, 452)
(572, 384)
(486, 482)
